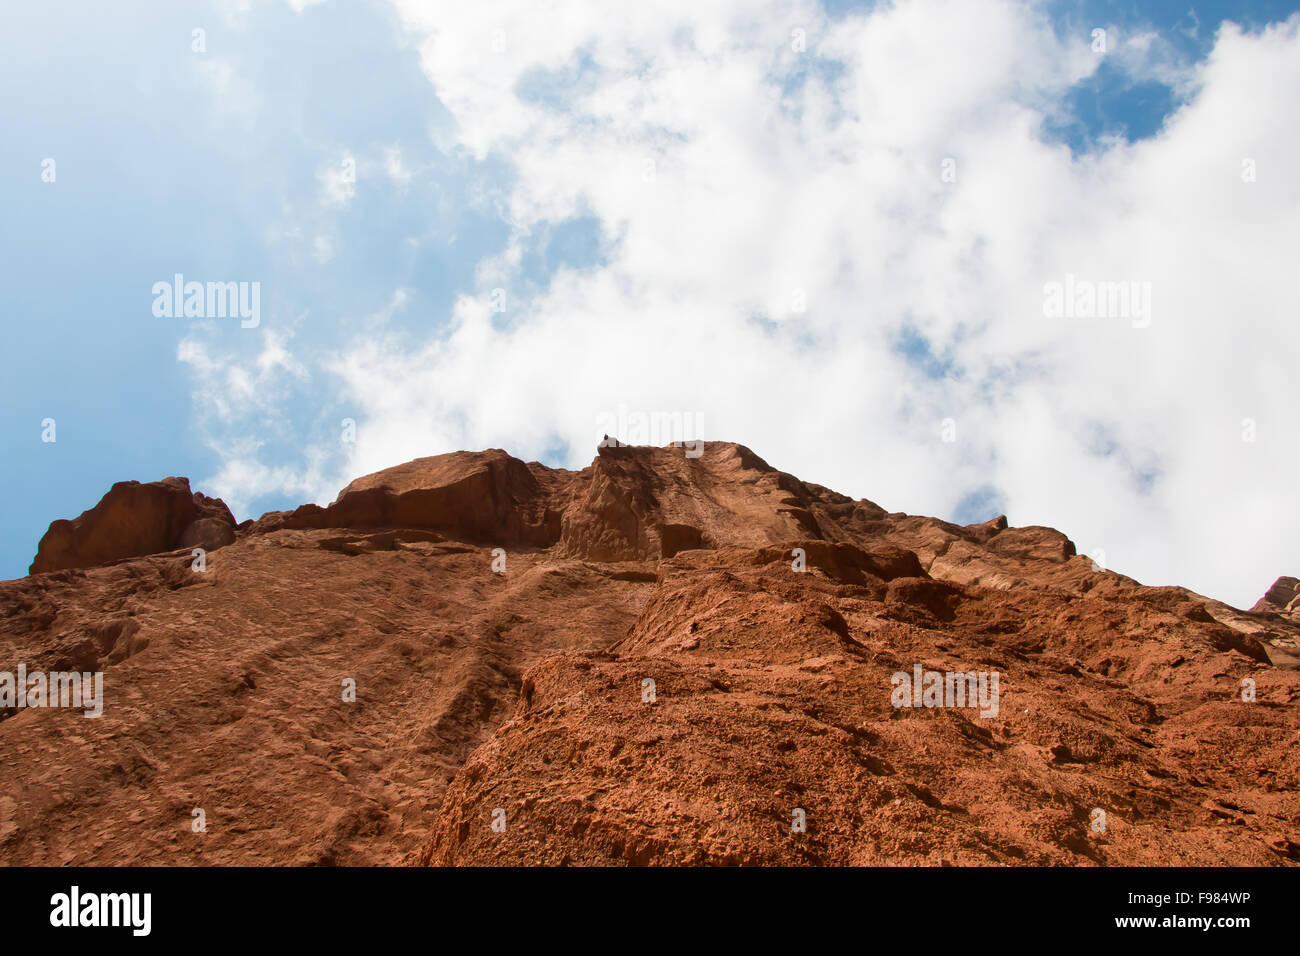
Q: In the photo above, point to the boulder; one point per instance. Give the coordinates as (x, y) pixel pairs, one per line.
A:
(132, 520)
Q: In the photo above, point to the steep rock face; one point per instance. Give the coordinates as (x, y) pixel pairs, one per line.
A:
(649, 503)
(677, 661)
(136, 519)
(746, 719)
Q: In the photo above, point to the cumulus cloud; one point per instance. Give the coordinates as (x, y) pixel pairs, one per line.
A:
(829, 238)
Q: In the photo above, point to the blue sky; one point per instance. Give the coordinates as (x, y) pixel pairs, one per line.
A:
(222, 164)
(157, 173)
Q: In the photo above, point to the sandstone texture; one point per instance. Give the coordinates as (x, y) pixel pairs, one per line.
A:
(660, 659)
(134, 520)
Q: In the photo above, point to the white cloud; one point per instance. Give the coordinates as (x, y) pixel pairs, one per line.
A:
(230, 91)
(393, 166)
(237, 395)
(229, 387)
(779, 174)
(236, 12)
(243, 477)
(1145, 55)
(324, 248)
(338, 182)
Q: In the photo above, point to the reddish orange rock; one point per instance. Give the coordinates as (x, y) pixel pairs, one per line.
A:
(136, 519)
(659, 659)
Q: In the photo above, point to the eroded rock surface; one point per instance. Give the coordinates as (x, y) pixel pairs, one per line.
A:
(682, 660)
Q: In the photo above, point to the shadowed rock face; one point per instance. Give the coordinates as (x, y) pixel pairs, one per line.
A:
(680, 658)
(133, 520)
(1283, 596)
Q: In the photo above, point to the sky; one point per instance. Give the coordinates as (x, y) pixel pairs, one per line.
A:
(959, 257)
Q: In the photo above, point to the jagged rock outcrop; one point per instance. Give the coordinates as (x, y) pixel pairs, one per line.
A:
(133, 520)
(1282, 597)
(485, 496)
(658, 659)
(649, 503)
